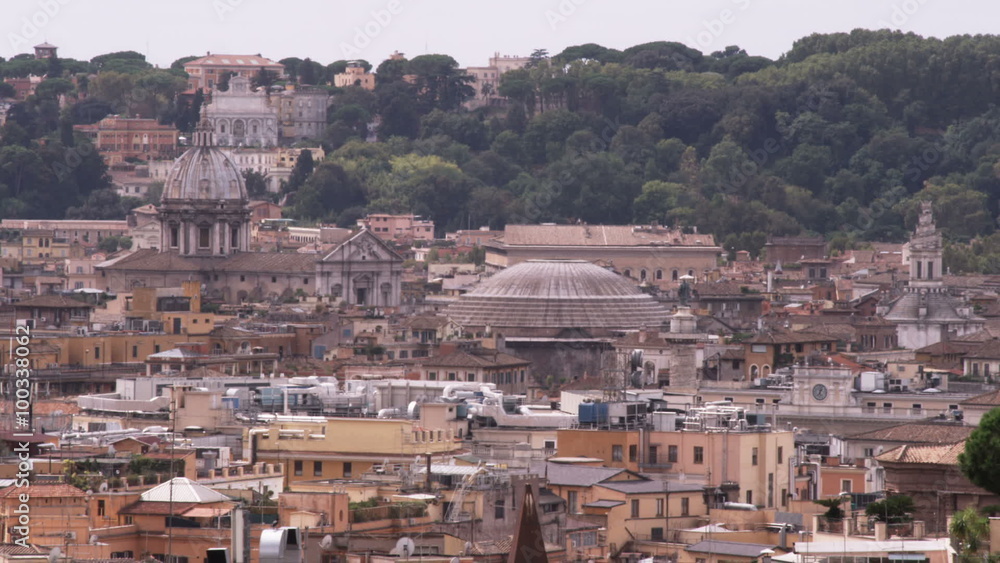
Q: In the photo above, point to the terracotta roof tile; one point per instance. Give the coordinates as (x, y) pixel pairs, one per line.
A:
(918, 434)
(988, 399)
(43, 491)
(938, 454)
(53, 302)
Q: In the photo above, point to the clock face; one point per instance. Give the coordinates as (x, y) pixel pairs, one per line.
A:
(819, 392)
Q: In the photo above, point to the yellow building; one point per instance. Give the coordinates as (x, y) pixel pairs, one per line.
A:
(313, 448)
(750, 463)
(629, 506)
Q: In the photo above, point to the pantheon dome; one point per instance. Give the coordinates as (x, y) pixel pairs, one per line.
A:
(558, 294)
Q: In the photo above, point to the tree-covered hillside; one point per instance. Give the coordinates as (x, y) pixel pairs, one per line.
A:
(842, 137)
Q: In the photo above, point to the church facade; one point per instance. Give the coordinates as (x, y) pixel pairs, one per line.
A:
(241, 116)
(204, 219)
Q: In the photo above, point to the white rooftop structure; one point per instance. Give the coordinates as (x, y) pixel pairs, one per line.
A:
(182, 489)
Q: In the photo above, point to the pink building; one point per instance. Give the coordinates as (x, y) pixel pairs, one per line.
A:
(398, 227)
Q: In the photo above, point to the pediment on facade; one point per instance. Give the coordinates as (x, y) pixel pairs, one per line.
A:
(362, 247)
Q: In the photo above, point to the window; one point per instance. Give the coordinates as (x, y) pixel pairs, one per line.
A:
(274, 279)
(781, 454)
(699, 455)
(571, 498)
(656, 534)
(616, 453)
(348, 469)
(298, 468)
(432, 376)
(671, 454)
(685, 506)
(753, 456)
(659, 507)
(243, 278)
(204, 237)
(135, 352)
(499, 510)
(635, 508)
(317, 469)
(749, 497)
(100, 507)
(97, 352)
(845, 485)
(633, 453)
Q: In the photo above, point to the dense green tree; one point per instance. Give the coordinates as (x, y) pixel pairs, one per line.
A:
(256, 184)
(440, 84)
(893, 509)
(327, 193)
(303, 168)
(981, 456)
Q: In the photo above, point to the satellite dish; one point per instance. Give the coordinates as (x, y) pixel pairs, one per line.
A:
(455, 560)
(326, 542)
(55, 554)
(94, 540)
(404, 547)
(468, 548)
(103, 487)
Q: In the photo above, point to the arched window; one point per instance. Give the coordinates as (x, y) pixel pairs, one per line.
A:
(628, 273)
(674, 275)
(642, 274)
(659, 275)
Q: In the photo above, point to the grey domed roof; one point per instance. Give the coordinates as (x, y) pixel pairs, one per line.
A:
(204, 172)
(558, 294)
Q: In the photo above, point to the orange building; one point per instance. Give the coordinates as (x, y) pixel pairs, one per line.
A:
(207, 71)
(56, 515)
(119, 138)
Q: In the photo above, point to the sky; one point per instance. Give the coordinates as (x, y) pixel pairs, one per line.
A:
(471, 32)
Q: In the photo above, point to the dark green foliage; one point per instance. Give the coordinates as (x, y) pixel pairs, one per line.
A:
(842, 137)
(256, 184)
(894, 509)
(982, 453)
(833, 509)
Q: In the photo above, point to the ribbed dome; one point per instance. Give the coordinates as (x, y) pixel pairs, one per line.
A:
(204, 173)
(558, 294)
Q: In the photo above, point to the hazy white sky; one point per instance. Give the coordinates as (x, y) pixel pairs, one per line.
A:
(328, 30)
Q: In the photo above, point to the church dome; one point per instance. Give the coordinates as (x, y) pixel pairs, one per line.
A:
(204, 172)
(558, 294)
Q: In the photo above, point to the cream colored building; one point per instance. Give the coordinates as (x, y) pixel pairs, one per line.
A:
(656, 255)
(354, 75)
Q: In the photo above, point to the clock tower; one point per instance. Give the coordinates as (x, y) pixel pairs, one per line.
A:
(824, 386)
